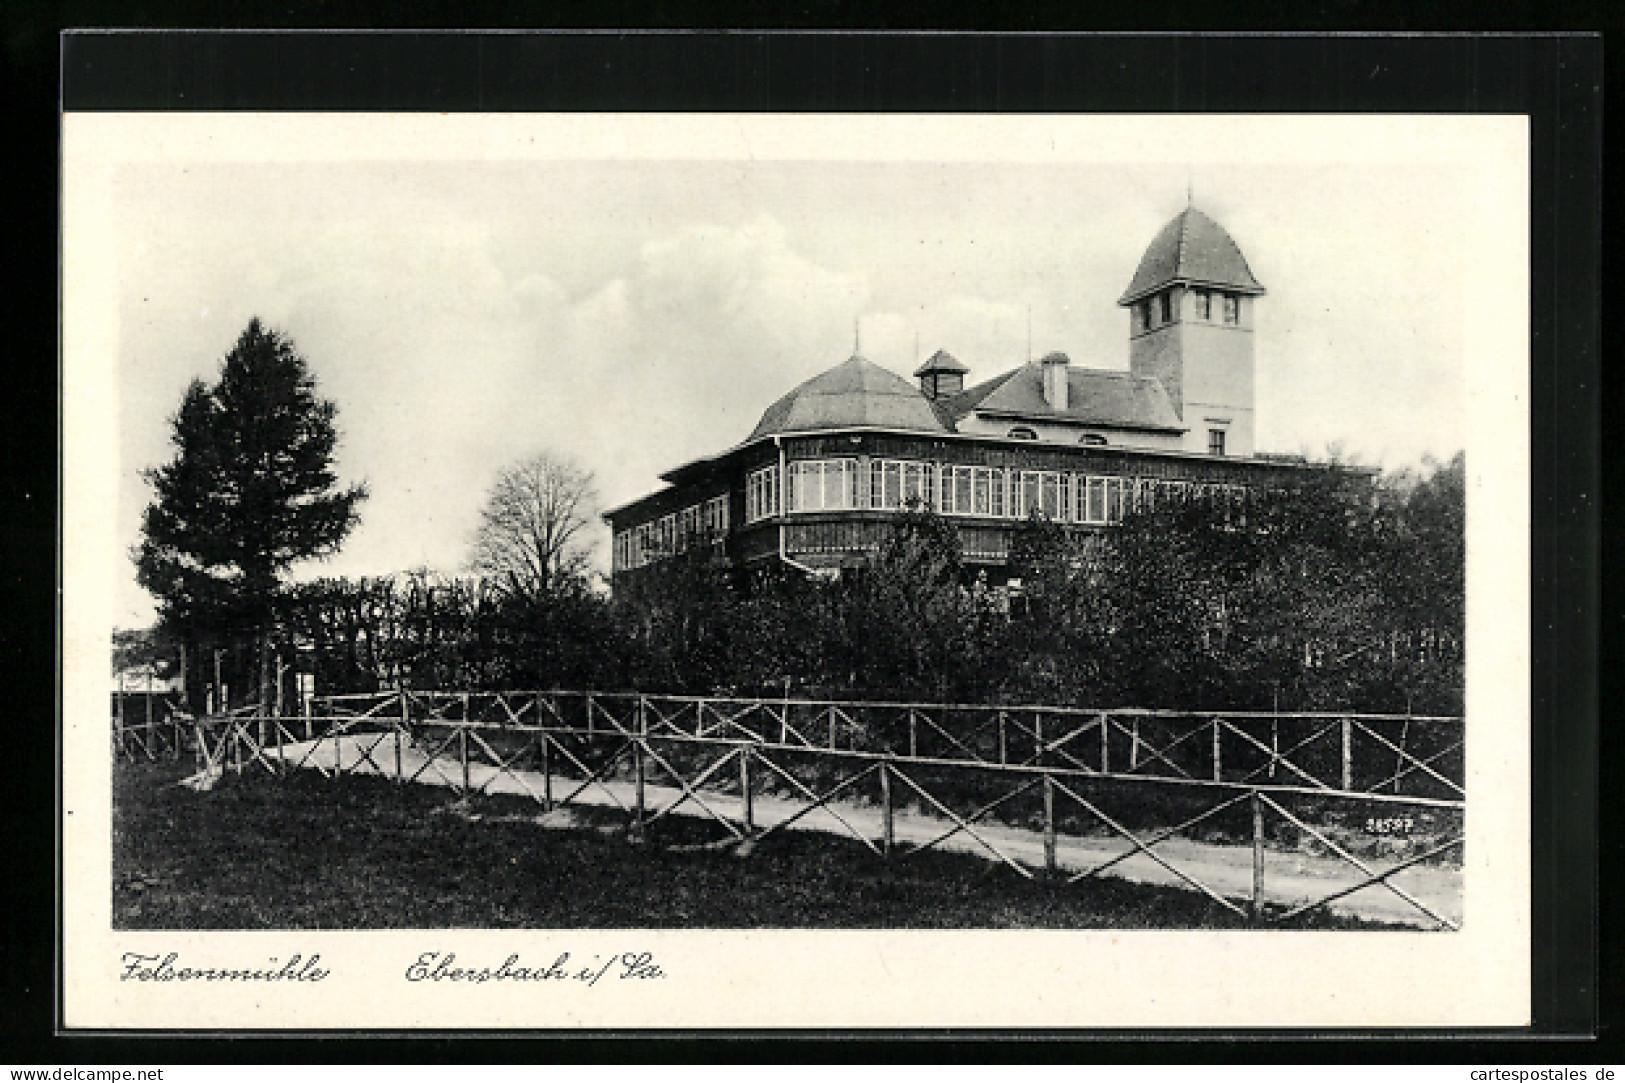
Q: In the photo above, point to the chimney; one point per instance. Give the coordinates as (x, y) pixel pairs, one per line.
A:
(1055, 368)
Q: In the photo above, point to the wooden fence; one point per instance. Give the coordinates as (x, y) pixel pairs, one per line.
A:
(150, 725)
(1144, 777)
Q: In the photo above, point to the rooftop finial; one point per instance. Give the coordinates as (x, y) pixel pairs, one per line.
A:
(1029, 332)
(857, 341)
(1189, 188)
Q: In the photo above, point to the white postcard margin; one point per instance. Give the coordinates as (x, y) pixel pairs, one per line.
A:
(749, 979)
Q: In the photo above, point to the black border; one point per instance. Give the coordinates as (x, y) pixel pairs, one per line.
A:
(1554, 79)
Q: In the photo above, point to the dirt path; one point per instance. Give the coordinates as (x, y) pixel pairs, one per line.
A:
(1289, 878)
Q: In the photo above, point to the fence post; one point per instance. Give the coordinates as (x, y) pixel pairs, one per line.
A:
(1258, 854)
(1218, 754)
(888, 831)
(1049, 823)
(304, 708)
(148, 698)
(338, 750)
(401, 731)
(1105, 744)
(1002, 755)
(1348, 754)
(637, 767)
(281, 672)
(747, 803)
(547, 773)
(123, 745)
(1038, 739)
(462, 751)
(1399, 760)
(1134, 744)
(913, 736)
(276, 728)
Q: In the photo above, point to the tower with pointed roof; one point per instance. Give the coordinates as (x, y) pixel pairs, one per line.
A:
(1191, 328)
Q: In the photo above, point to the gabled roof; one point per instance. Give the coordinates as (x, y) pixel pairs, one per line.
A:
(854, 394)
(1102, 397)
(1192, 249)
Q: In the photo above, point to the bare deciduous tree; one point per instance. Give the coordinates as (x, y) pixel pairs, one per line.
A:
(531, 532)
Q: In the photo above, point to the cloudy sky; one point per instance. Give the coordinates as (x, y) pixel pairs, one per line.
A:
(465, 308)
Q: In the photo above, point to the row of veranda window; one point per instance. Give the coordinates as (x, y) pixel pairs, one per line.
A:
(674, 533)
(989, 492)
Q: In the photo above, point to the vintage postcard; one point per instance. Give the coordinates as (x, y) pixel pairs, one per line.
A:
(752, 571)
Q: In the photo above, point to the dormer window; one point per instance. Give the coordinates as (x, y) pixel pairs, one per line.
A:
(1022, 432)
(1145, 315)
(1232, 309)
(1204, 305)
(1168, 307)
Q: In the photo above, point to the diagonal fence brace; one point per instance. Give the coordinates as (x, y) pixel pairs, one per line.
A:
(1401, 867)
(1277, 757)
(689, 789)
(962, 825)
(1375, 877)
(977, 814)
(1416, 764)
(1141, 847)
(433, 757)
(1166, 833)
(1268, 751)
(500, 767)
(818, 802)
(593, 777)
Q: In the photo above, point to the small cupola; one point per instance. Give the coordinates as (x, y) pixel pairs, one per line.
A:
(941, 375)
(1056, 368)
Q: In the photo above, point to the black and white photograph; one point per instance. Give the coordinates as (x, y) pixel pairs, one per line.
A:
(632, 570)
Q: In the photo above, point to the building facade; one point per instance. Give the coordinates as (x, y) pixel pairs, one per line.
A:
(818, 482)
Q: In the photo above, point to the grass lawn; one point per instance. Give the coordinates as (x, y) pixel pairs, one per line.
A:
(309, 852)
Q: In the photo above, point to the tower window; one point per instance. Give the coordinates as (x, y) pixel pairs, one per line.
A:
(1168, 307)
(1215, 441)
(1145, 315)
(1232, 308)
(1204, 305)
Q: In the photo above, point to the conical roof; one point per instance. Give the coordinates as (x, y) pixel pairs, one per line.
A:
(854, 394)
(1193, 249)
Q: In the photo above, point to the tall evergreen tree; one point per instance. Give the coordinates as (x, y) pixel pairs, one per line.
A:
(251, 490)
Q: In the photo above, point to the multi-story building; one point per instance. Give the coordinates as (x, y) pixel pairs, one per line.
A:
(818, 482)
